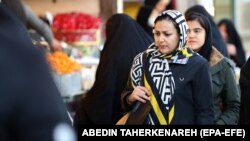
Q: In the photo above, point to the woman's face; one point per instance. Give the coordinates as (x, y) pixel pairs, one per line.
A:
(166, 36)
(196, 35)
(223, 31)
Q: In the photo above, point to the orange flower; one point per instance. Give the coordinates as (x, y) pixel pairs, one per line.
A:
(62, 64)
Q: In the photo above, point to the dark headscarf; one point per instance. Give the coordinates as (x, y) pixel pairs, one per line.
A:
(151, 3)
(125, 39)
(217, 41)
(234, 38)
(145, 11)
(206, 49)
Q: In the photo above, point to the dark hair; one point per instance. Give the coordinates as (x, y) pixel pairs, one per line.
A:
(233, 36)
(206, 49)
(168, 18)
(196, 16)
(152, 4)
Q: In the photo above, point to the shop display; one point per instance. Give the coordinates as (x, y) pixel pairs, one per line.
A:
(81, 33)
(72, 76)
(77, 28)
(66, 73)
(62, 64)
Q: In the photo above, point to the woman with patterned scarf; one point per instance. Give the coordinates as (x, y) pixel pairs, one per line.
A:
(225, 90)
(170, 78)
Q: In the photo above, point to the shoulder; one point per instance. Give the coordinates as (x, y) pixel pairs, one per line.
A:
(225, 63)
(196, 63)
(138, 60)
(215, 57)
(138, 56)
(229, 62)
(197, 59)
(246, 67)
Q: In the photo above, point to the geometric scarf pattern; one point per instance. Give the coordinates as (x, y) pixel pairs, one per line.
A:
(161, 81)
(165, 85)
(179, 19)
(162, 89)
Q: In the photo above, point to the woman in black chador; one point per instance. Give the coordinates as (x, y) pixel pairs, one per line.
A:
(125, 39)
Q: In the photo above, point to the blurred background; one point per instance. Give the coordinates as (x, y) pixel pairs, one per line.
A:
(237, 11)
(79, 25)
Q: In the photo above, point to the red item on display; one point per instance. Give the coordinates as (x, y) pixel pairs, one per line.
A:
(75, 27)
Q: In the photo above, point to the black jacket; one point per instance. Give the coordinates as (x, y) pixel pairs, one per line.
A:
(193, 93)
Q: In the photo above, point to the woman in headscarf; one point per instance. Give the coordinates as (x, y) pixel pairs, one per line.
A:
(150, 10)
(124, 39)
(225, 90)
(245, 93)
(234, 45)
(218, 42)
(171, 77)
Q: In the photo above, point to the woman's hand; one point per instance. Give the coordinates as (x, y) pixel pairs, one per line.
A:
(140, 93)
(231, 48)
(55, 45)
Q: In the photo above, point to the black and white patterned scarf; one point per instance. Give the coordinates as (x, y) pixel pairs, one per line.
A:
(151, 69)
